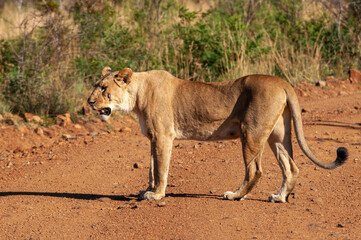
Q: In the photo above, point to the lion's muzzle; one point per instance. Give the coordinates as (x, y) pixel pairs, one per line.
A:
(105, 111)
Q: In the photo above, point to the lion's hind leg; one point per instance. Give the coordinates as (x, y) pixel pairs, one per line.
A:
(252, 157)
(281, 145)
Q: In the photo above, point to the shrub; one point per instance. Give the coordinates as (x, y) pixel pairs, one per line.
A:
(50, 68)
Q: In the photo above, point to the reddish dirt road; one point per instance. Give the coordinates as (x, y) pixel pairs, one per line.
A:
(86, 186)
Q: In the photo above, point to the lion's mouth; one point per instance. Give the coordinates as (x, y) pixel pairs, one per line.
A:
(105, 111)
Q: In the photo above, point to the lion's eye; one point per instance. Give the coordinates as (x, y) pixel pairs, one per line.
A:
(103, 88)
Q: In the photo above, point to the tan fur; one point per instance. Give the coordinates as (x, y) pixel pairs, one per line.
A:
(254, 108)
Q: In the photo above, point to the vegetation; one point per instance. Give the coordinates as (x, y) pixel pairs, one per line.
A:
(49, 68)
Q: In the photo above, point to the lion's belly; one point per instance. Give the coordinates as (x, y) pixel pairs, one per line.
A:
(209, 132)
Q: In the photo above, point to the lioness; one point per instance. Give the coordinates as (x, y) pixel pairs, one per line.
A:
(256, 109)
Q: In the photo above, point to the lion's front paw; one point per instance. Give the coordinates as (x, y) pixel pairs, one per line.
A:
(232, 196)
(149, 195)
(276, 198)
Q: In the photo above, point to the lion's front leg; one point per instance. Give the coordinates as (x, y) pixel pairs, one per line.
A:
(151, 169)
(158, 174)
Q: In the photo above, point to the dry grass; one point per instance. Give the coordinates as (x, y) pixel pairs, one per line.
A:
(11, 18)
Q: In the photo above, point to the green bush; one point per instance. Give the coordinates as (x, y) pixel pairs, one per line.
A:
(50, 69)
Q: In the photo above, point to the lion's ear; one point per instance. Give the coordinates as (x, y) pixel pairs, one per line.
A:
(106, 70)
(124, 75)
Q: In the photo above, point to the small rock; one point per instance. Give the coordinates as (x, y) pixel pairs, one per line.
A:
(321, 83)
(303, 94)
(29, 117)
(179, 145)
(294, 195)
(22, 129)
(329, 78)
(212, 191)
(314, 225)
(53, 157)
(39, 131)
(125, 129)
(104, 199)
(161, 204)
(93, 133)
(305, 110)
(10, 164)
(122, 206)
(342, 93)
(137, 165)
(354, 76)
(86, 111)
(340, 225)
(8, 115)
(17, 117)
(64, 120)
(317, 200)
(68, 136)
(9, 121)
(77, 126)
(18, 150)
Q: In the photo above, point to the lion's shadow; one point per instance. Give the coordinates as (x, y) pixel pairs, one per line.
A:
(80, 196)
(124, 198)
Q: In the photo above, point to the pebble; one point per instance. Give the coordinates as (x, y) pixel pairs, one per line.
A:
(314, 225)
(321, 83)
(9, 164)
(137, 165)
(135, 207)
(68, 136)
(317, 200)
(294, 195)
(342, 93)
(125, 129)
(104, 199)
(94, 133)
(122, 206)
(161, 204)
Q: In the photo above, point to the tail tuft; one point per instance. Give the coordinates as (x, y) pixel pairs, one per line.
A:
(342, 155)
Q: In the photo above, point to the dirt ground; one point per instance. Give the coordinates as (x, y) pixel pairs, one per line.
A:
(81, 181)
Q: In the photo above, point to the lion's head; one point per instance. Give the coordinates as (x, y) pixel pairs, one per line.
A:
(111, 93)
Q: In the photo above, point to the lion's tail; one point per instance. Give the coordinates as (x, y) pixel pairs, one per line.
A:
(342, 152)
